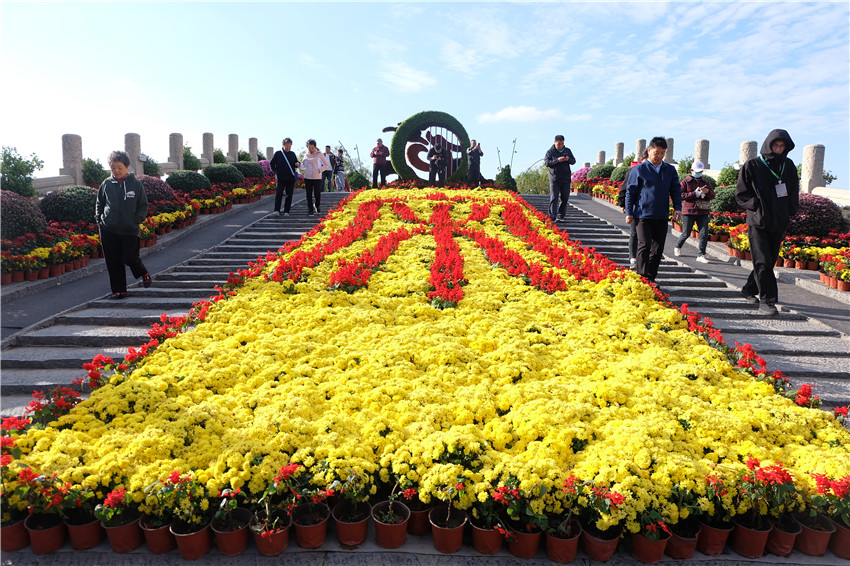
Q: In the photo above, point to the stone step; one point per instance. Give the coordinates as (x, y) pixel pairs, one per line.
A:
(162, 304)
(676, 293)
(116, 317)
(61, 335)
(214, 263)
(785, 324)
(198, 281)
(726, 313)
(24, 381)
(187, 293)
(56, 356)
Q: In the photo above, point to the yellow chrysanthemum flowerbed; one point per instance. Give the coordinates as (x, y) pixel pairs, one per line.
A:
(600, 380)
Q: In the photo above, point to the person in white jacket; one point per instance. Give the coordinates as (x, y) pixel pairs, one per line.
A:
(314, 163)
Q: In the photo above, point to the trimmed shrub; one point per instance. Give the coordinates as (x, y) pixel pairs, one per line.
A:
(20, 216)
(156, 189)
(250, 169)
(187, 181)
(190, 160)
(580, 174)
(223, 173)
(70, 204)
(504, 178)
(16, 172)
(93, 172)
(151, 167)
(728, 176)
(242, 155)
(357, 180)
(218, 156)
(724, 200)
(603, 171)
(816, 217)
(619, 174)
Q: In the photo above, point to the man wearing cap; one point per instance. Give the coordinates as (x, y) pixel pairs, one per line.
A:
(284, 163)
(696, 195)
(769, 190)
(379, 157)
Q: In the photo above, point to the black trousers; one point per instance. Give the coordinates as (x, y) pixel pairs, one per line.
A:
(473, 175)
(559, 198)
(314, 191)
(120, 250)
(376, 169)
(651, 235)
(289, 188)
(764, 245)
(433, 173)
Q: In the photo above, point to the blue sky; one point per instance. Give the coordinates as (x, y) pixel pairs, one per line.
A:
(598, 73)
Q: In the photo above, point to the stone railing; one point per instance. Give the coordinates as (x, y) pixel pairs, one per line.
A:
(71, 172)
(811, 177)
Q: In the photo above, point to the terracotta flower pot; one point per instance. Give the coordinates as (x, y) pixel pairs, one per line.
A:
(57, 270)
(780, 541)
(833, 282)
(597, 548)
(680, 547)
(5, 278)
(418, 523)
(46, 533)
(788, 262)
(390, 535)
(231, 542)
(779, 262)
(125, 538)
(750, 542)
(351, 533)
(648, 551)
(712, 540)
(31, 275)
(87, 535)
(486, 541)
(44, 273)
(14, 537)
(448, 535)
(563, 550)
(271, 543)
(800, 264)
(842, 285)
(194, 545)
(815, 535)
(713, 238)
(311, 535)
(839, 543)
(17, 277)
(159, 540)
(524, 545)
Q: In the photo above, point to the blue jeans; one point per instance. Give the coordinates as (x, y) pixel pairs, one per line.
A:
(688, 221)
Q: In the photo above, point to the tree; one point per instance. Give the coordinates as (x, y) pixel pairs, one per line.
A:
(218, 156)
(93, 172)
(16, 172)
(190, 160)
(533, 181)
(505, 179)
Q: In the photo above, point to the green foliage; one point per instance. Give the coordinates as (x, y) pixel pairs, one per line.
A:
(249, 169)
(412, 127)
(728, 176)
(190, 160)
(70, 204)
(724, 200)
(16, 172)
(223, 173)
(619, 174)
(603, 171)
(151, 167)
(828, 177)
(627, 160)
(504, 178)
(685, 166)
(218, 156)
(357, 180)
(20, 216)
(187, 181)
(262, 156)
(534, 181)
(243, 156)
(93, 172)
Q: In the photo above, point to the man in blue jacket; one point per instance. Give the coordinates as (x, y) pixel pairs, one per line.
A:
(649, 189)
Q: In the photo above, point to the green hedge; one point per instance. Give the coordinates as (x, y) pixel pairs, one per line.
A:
(249, 169)
(20, 216)
(412, 126)
(187, 181)
(70, 204)
(223, 173)
(724, 200)
(603, 171)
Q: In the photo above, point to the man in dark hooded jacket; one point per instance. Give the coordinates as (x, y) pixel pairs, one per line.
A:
(769, 190)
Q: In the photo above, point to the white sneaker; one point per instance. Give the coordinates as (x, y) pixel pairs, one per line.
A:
(702, 259)
(286, 214)
(632, 263)
(677, 252)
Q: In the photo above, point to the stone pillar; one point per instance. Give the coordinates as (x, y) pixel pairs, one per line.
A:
(175, 150)
(72, 157)
(232, 148)
(640, 147)
(668, 157)
(812, 168)
(586, 164)
(618, 153)
(600, 158)
(208, 148)
(701, 152)
(748, 151)
(269, 153)
(252, 148)
(133, 148)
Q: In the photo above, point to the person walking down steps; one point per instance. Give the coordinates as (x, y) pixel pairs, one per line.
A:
(696, 196)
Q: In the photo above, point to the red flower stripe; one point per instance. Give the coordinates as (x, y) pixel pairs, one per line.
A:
(447, 269)
(353, 275)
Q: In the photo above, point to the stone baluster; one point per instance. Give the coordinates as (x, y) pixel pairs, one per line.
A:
(668, 157)
(618, 153)
(133, 149)
(232, 148)
(207, 157)
(72, 157)
(269, 153)
(812, 174)
(175, 150)
(748, 151)
(701, 152)
(600, 158)
(252, 149)
(640, 147)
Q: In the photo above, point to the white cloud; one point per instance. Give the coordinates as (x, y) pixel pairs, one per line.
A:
(404, 78)
(519, 114)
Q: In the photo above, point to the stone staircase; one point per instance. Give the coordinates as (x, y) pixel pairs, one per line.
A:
(805, 350)
(52, 354)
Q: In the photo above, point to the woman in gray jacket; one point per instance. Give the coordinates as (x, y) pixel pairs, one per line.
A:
(122, 205)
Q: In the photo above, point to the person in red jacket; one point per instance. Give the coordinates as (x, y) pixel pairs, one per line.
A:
(379, 156)
(696, 196)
